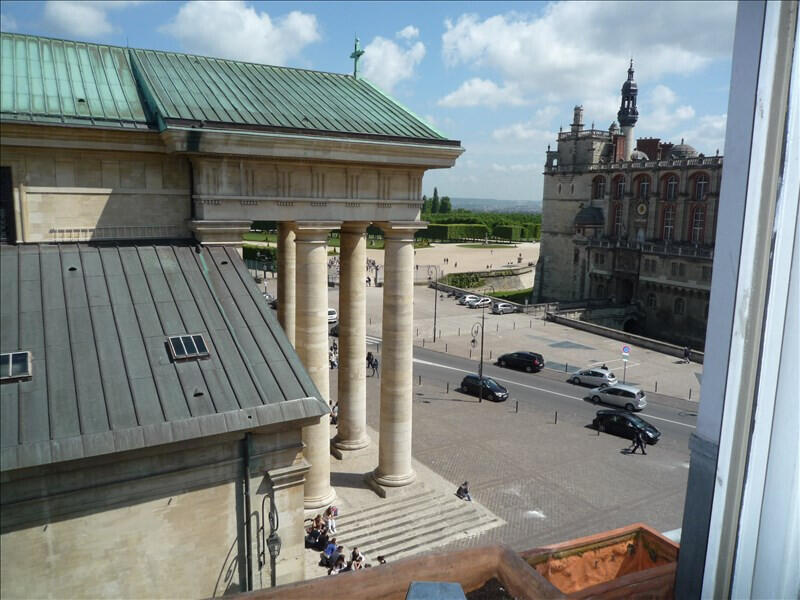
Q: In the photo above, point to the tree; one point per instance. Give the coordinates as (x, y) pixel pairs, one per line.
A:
(426, 205)
(435, 201)
(444, 206)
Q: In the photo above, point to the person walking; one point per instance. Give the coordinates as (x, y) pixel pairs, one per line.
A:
(375, 367)
(686, 354)
(370, 358)
(638, 441)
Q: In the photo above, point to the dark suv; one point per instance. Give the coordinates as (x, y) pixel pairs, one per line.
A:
(471, 384)
(625, 424)
(528, 361)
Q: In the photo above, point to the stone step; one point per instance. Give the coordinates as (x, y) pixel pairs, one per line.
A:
(430, 534)
(390, 526)
(442, 538)
(385, 508)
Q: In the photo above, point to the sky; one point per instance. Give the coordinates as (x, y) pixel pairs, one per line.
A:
(501, 77)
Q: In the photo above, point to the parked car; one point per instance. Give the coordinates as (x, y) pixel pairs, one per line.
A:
(625, 424)
(596, 376)
(468, 298)
(501, 308)
(480, 303)
(628, 396)
(471, 384)
(333, 316)
(529, 361)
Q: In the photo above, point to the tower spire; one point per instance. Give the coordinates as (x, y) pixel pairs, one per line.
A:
(628, 113)
(357, 53)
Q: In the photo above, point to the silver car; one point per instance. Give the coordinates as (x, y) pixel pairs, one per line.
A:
(467, 298)
(594, 376)
(628, 397)
(501, 308)
(479, 303)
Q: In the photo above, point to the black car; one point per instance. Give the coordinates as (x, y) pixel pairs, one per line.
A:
(625, 424)
(531, 362)
(471, 384)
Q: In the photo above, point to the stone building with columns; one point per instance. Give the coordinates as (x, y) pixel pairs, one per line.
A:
(630, 225)
(106, 147)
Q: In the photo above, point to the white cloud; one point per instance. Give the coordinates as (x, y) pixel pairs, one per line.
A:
(9, 23)
(662, 114)
(81, 19)
(575, 50)
(708, 135)
(523, 132)
(386, 63)
(236, 30)
(483, 92)
(409, 32)
(517, 168)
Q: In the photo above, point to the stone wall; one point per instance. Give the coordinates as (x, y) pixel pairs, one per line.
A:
(87, 194)
(157, 522)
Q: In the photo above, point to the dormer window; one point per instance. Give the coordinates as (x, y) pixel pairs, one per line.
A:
(187, 346)
(15, 365)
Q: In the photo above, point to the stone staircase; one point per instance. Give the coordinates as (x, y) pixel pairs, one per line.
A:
(411, 524)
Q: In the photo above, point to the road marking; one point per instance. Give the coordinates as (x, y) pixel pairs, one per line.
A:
(538, 389)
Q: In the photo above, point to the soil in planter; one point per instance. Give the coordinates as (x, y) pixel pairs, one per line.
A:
(491, 590)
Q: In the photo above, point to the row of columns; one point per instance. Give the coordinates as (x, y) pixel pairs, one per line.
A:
(302, 311)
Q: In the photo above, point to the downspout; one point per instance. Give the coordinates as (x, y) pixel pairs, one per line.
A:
(248, 550)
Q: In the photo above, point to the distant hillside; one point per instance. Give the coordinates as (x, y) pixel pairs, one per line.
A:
(494, 205)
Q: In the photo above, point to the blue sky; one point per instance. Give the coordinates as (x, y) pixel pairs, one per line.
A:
(499, 76)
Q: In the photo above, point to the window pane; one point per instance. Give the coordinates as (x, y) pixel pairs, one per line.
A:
(19, 364)
(177, 347)
(200, 343)
(189, 344)
(5, 365)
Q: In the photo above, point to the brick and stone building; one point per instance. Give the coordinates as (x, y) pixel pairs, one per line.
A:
(631, 226)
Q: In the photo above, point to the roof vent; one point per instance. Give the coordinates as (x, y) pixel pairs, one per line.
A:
(72, 269)
(81, 99)
(15, 365)
(224, 262)
(187, 346)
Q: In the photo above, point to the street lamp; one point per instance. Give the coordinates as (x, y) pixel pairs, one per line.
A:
(435, 269)
(475, 328)
(273, 542)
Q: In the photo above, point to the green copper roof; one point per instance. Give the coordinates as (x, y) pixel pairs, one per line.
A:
(197, 88)
(56, 81)
(48, 80)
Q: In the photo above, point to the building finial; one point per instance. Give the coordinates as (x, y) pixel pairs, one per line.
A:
(357, 53)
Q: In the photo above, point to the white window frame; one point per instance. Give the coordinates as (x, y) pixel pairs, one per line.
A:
(9, 376)
(181, 339)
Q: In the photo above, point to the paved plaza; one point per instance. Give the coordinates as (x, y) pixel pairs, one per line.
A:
(547, 482)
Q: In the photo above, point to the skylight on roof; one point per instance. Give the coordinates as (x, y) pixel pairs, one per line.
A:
(187, 346)
(15, 365)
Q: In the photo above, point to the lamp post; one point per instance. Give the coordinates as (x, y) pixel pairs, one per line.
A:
(435, 269)
(475, 327)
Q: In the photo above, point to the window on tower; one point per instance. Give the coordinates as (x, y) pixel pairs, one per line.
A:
(698, 224)
(618, 220)
(701, 187)
(668, 231)
(672, 187)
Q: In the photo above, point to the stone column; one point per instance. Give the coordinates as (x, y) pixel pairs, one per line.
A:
(352, 392)
(396, 364)
(311, 342)
(287, 257)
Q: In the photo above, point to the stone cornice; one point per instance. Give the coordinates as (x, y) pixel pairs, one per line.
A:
(331, 149)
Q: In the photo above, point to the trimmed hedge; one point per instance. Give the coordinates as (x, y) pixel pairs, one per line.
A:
(508, 232)
(252, 252)
(464, 280)
(518, 296)
(450, 232)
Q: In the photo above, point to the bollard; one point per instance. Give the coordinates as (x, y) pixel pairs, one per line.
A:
(556, 420)
(470, 352)
(445, 347)
(497, 326)
(656, 387)
(515, 325)
(516, 408)
(448, 387)
(566, 367)
(420, 380)
(490, 355)
(417, 331)
(690, 393)
(459, 332)
(423, 342)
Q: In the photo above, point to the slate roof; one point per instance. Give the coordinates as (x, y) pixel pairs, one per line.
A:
(43, 80)
(96, 319)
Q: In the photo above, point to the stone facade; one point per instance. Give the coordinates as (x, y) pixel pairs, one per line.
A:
(168, 524)
(638, 231)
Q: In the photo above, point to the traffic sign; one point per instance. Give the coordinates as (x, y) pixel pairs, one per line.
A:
(626, 350)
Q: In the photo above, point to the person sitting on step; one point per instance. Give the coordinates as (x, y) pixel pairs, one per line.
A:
(463, 492)
(338, 566)
(327, 554)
